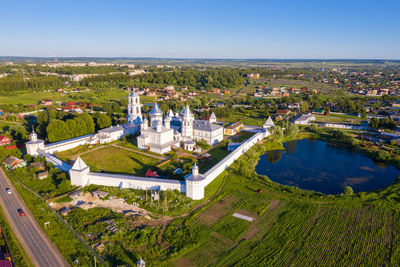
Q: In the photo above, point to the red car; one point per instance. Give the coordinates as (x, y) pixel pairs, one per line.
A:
(21, 212)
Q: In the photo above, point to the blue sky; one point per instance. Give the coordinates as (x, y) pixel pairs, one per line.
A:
(363, 29)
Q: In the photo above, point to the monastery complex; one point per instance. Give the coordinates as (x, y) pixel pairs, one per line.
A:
(159, 134)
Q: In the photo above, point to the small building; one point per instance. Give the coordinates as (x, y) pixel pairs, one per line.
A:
(304, 119)
(253, 75)
(318, 111)
(233, 128)
(99, 194)
(178, 171)
(294, 106)
(38, 165)
(76, 194)
(4, 140)
(189, 145)
(42, 175)
(110, 134)
(47, 102)
(283, 112)
(219, 105)
(151, 174)
(14, 162)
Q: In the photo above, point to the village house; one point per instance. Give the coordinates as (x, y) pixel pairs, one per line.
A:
(253, 75)
(283, 112)
(4, 140)
(318, 111)
(42, 175)
(304, 119)
(233, 128)
(46, 102)
(14, 162)
(39, 165)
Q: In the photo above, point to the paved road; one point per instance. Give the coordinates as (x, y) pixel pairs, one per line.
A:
(35, 242)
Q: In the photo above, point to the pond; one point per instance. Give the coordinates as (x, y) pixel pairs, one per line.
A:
(319, 166)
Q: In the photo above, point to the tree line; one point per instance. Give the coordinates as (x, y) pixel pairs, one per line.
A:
(219, 78)
(18, 83)
(58, 125)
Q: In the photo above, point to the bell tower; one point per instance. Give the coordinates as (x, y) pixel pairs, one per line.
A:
(134, 109)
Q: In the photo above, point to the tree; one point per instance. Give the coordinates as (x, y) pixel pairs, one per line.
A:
(291, 130)
(382, 155)
(363, 113)
(304, 107)
(101, 120)
(18, 132)
(348, 190)
(203, 144)
(374, 122)
(277, 133)
(57, 131)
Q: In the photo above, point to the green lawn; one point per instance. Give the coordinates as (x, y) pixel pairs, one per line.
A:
(217, 153)
(116, 160)
(338, 118)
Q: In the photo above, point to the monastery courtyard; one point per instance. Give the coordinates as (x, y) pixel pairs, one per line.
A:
(123, 157)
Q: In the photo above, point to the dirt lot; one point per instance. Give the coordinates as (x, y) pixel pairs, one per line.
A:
(87, 201)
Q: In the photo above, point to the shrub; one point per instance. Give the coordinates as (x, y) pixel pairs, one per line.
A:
(348, 190)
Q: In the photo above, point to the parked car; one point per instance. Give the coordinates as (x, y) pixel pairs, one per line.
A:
(21, 212)
(8, 190)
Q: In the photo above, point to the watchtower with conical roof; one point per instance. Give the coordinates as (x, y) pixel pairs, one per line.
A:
(79, 173)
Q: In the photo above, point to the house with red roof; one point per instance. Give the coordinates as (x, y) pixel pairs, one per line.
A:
(151, 174)
(4, 140)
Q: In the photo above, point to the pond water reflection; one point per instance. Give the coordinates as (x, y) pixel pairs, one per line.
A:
(319, 166)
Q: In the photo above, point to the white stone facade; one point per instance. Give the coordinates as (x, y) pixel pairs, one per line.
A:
(159, 138)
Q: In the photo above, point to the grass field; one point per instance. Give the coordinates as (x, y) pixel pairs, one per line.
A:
(115, 160)
(338, 118)
(294, 227)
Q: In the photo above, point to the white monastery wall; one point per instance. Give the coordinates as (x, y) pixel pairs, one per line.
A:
(134, 182)
(67, 144)
(213, 173)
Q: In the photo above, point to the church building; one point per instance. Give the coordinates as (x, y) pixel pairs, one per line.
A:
(160, 137)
